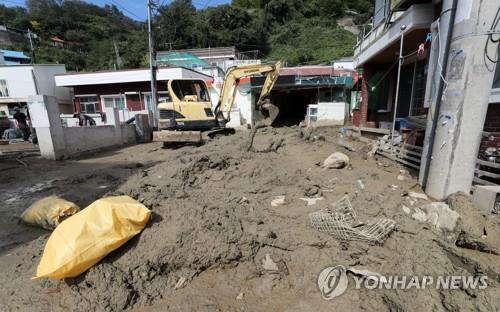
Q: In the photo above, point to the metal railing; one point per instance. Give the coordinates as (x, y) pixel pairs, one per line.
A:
(407, 154)
(486, 172)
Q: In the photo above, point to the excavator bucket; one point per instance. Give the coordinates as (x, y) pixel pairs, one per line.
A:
(266, 114)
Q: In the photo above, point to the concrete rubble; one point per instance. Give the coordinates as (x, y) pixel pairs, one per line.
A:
(437, 214)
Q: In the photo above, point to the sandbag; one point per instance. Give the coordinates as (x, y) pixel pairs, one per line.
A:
(48, 212)
(84, 239)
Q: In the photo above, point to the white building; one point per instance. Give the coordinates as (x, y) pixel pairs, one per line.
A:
(127, 90)
(344, 63)
(18, 82)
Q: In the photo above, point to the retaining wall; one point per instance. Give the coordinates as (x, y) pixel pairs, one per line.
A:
(59, 142)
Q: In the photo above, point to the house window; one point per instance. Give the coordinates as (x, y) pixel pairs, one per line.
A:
(380, 89)
(89, 105)
(115, 101)
(4, 91)
(418, 92)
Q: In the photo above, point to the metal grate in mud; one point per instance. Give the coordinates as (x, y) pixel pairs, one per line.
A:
(338, 222)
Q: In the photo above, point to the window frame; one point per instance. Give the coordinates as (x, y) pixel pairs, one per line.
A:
(4, 90)
(83, 104)
(166, 97)
(114, 97)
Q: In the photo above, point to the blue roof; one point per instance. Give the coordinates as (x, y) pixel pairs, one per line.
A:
(14, 54)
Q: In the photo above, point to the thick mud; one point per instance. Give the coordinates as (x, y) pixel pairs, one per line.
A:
(215, 242)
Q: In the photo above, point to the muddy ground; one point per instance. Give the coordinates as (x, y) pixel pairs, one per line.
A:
(213, 227)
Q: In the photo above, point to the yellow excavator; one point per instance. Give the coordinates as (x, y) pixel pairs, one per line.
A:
(188, 117)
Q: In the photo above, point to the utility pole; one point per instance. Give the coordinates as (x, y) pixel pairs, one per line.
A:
(457, 113)
(119, 62)
(33, 60)
(152, 63)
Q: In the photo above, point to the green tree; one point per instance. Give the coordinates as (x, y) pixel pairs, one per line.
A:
(176, 25)
(229, 25)
(15, 17)
(298, 31)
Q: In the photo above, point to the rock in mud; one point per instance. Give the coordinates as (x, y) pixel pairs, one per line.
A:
(336, 160)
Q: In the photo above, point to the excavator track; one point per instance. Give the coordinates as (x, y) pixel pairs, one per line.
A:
(173, 136)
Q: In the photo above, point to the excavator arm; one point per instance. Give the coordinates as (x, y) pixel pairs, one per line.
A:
(267, 111)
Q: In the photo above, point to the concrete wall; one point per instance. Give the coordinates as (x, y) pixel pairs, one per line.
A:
(79, 140)
(331, 113)
(241, 114)
(44, 78)
(59, 142)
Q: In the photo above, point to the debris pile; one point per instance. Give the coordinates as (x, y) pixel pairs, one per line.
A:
(231, 230)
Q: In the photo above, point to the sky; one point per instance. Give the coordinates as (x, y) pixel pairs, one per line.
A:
(135, 9)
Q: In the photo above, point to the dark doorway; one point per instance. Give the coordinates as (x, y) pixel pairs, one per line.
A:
(293, 105)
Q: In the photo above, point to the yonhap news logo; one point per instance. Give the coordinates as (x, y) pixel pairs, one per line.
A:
(333, 281)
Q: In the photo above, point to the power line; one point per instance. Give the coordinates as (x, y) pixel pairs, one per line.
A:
(164, 2)
(125, 9)
(491, 40)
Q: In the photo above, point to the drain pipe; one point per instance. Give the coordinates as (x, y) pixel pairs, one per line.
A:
(449, 6)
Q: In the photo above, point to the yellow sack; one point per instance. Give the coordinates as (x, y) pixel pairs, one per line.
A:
(48, 212)
(84, 239)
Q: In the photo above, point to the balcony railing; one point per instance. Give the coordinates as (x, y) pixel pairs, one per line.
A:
(417, 16)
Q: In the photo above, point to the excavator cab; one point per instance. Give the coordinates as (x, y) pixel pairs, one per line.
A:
(190, 107)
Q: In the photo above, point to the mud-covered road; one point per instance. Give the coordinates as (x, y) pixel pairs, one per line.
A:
(215, 242)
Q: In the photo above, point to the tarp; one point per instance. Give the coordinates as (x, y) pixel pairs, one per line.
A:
(85, 238)
(182, 59)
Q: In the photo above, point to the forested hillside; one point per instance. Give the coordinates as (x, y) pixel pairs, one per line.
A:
(297, 31)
